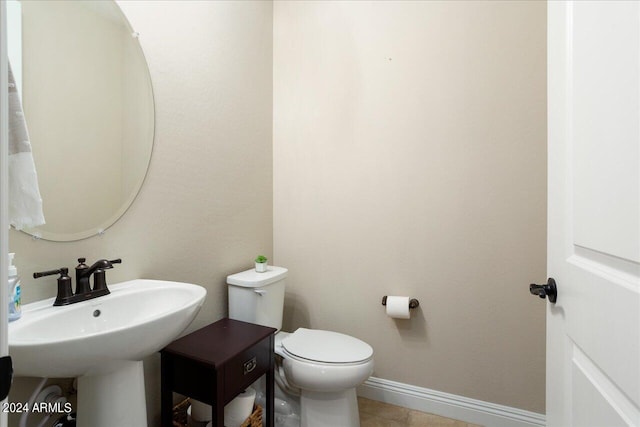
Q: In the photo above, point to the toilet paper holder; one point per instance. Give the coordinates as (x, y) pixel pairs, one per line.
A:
(413, 303)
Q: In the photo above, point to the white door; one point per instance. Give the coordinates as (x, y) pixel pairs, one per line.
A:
(593, 330)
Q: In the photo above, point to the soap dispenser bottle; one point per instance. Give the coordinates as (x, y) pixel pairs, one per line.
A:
(15, 311)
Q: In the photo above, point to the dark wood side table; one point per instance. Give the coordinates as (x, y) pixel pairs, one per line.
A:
(214, 364)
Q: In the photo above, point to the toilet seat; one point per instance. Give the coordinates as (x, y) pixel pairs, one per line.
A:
(315, 345)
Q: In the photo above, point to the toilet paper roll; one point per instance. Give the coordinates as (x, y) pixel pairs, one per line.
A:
(193, 423)
(398, 307)
(200, 411)
(239, 409)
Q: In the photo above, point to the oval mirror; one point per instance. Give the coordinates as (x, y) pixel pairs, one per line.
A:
(88, 104)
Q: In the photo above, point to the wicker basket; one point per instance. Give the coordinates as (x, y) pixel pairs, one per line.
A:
(255, 419)
(180, 415)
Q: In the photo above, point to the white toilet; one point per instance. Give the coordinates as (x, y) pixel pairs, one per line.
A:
(323, 367)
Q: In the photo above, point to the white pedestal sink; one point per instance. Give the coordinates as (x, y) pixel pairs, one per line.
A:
(102, 342)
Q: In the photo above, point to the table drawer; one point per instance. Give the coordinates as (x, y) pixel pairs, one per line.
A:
(246, 368)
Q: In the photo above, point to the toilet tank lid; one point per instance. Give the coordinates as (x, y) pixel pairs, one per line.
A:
(252, 279)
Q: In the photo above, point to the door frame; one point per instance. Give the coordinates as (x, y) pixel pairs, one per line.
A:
(4, 189)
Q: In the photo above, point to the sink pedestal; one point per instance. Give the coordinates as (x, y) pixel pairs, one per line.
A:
(113, 398)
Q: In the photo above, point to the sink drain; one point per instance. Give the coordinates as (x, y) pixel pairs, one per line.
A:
(96, 313)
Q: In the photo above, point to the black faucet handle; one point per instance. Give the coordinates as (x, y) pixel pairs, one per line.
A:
(100, 282)
(61, 271)
(64, 284)
(82, 260)
(99, 276)
(64, 288)
(105, 264)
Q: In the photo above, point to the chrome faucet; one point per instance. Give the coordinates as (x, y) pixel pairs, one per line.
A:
(83, 286)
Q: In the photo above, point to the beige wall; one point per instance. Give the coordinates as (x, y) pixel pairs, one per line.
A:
(409, 158)
(205, 209)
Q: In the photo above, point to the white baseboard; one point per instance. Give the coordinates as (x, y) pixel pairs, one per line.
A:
(448, 405)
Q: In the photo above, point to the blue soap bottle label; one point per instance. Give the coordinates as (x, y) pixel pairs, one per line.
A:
(15, 293)
(15, 299)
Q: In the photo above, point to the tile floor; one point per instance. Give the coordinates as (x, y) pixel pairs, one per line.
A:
(378, 414)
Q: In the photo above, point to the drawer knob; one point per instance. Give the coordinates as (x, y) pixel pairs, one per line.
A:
(250, 365)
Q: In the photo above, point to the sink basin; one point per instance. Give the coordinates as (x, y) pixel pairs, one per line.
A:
(103, 341)
(137, 319)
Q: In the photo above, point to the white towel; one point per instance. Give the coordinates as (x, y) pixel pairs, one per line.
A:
(25, 203)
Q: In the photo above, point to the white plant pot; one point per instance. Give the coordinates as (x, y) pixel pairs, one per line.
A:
(261, 267)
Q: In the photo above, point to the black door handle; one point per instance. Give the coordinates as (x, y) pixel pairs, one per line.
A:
(543, 291)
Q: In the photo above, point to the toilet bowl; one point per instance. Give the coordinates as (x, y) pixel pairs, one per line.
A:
(326, 367)
(322, 368)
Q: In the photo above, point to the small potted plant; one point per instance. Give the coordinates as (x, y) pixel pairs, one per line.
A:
(261, 263)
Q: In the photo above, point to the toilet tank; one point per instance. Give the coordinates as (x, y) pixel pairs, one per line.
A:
(258, 297)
